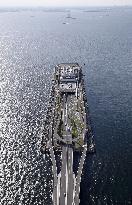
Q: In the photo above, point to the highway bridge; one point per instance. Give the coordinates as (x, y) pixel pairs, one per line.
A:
(66, 186)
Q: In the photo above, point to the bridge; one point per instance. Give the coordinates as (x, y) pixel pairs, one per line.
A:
(66, 186)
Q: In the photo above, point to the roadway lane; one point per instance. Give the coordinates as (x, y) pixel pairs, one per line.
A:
(70, 176)
(63, 183)
(67, 183)
(55, 194)
(78, 178)
(70, 181)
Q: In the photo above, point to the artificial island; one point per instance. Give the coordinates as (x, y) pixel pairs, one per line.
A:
(67, 135)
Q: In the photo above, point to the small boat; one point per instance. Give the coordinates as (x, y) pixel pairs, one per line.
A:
(91, 148)
(65, 23)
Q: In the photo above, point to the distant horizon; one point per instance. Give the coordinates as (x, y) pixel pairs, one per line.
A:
(96, 6)
(64, 3)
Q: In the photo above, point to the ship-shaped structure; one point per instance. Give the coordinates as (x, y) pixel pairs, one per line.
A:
(67, 136)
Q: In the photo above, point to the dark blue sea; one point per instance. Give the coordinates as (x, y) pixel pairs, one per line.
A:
(32, 42)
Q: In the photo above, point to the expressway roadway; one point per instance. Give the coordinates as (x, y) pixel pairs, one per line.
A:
(55, 184)
(66, 190)
(67, 183)
(78, 178)
(63, 182)
(70, 176)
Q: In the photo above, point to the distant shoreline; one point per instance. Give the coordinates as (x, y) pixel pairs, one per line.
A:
(62, 9)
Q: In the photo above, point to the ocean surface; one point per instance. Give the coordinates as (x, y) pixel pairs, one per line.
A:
(32, 42)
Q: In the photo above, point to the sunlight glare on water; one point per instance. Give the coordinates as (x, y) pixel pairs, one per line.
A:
(31, 44)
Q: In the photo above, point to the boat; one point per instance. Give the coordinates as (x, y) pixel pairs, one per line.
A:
(65, 23)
